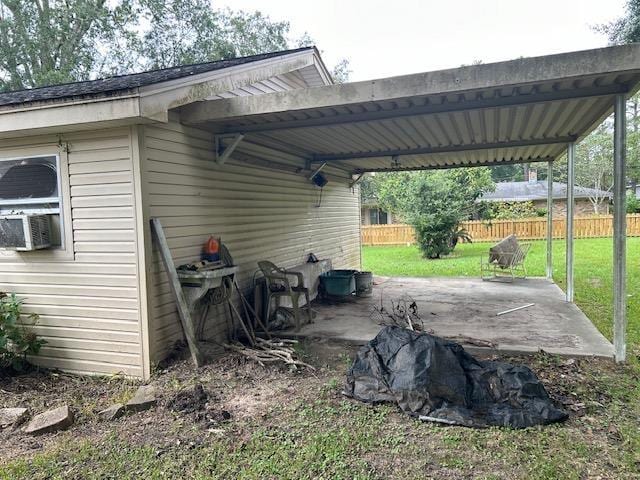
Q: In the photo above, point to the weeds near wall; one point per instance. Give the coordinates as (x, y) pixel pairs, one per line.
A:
(16, 338)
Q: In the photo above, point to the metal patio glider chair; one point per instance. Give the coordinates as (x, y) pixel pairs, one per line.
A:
(278, 286)
(505, 260)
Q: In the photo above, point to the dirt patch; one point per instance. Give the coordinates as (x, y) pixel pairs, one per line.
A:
(189, 401)
(195, 402)
(232, 398)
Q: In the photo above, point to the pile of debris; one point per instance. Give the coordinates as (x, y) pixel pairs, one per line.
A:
(436, 380)
(402, 312)
(263, 350)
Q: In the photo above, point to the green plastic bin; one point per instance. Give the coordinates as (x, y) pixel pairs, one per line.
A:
(339, 282)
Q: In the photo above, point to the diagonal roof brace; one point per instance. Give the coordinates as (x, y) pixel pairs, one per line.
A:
(356, 181)
(223, 153)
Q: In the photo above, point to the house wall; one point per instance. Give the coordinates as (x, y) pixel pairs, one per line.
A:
(583, 207)
(260, 213)
(86, 296)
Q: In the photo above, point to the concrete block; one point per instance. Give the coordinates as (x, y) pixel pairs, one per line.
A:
(114, 411)
(12, 416)
(144, 399)
(50, 421)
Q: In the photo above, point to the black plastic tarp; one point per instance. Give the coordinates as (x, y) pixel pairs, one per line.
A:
(435, 379)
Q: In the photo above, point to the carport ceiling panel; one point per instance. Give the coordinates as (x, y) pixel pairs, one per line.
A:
(538, 153)
(550, 122)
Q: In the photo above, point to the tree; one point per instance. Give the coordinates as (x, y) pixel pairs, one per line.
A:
(340, 72)
(190, 31)
(435, 203)
(625, 29)
(593, 169)
(633, 203)
(621, 31)
(594, 160)
(594, 165)
(507, 173)
(45, 42)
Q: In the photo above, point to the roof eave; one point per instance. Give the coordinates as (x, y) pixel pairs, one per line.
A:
(144, 104)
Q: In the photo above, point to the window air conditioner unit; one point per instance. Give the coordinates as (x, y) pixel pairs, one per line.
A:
(24, 233)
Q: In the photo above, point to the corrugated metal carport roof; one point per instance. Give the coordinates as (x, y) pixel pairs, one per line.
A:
(524, 110)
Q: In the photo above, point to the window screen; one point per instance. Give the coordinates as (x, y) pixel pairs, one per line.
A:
(29, 181)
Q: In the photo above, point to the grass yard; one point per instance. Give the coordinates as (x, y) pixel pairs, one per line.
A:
(593, 274)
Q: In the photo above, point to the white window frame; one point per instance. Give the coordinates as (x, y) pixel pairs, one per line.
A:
(65, 250)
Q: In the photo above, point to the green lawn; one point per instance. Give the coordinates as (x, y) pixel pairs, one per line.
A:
(593, 273)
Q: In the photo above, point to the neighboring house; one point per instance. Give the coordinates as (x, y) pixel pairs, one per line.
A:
(536, 192)
(371, 214)
(103, 157)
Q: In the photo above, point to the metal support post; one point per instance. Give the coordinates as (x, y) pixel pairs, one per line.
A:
(571, 154)
(550, 220)
(619, 229)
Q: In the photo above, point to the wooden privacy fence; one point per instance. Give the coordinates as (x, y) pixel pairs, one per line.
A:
(524, 228)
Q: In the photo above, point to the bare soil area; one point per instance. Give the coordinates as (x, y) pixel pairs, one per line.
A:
(235, 419)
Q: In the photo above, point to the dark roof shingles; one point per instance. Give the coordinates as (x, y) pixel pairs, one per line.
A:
(127, 82)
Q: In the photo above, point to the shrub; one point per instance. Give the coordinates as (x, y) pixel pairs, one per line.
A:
(541, 212)
(438, 235)
(435, 203)
(633, 203)
(511, 210)
(16, 340)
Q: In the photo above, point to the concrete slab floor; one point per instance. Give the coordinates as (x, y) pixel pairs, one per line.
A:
(456, 308)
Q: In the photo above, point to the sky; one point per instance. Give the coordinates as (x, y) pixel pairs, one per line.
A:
(383, 38)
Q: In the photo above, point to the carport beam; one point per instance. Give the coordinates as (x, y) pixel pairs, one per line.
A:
(550, 220)
(571, 154)
(619, 229)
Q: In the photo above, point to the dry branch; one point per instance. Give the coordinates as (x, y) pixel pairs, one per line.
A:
(270, 351)
(402, 312)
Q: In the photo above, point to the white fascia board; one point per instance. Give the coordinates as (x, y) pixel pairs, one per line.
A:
(323, 72)
(53, 117)
(156, 100)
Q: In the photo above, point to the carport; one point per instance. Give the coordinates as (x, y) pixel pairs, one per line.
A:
(521, 111)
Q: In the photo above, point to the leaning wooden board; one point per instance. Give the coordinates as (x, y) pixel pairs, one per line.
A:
(176, 289)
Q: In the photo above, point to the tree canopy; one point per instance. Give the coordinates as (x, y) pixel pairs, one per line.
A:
(45, 42)
(625, 29)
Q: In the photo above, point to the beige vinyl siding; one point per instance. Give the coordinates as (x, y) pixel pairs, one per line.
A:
(260, 213)
(88, 302)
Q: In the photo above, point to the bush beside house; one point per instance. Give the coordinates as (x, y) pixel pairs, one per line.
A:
(16, 340)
